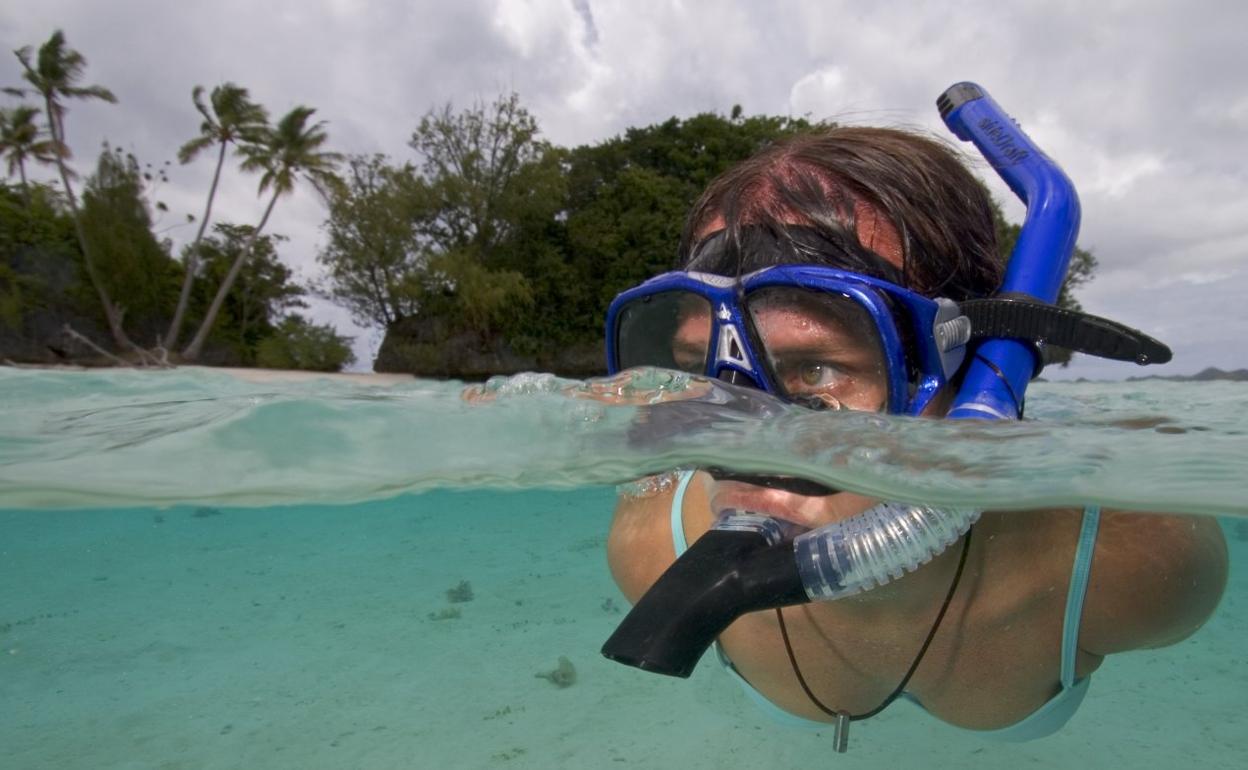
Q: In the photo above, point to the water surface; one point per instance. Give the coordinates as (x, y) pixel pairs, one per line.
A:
(199, 572)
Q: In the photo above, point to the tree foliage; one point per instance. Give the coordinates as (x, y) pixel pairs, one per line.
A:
(39, 257)
(42, 285)
(263, 292)
(432, 239)
(135, 267)
(626, 202)
(477, 165)
(23, 140)
(297, 343)
(375, 252)
(482, 174)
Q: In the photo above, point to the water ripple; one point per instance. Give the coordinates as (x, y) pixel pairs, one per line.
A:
(91, 439)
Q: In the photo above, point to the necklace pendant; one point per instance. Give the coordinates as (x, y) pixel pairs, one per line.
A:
(840, 733)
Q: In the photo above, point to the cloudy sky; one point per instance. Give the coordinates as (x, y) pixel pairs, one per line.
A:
(1145, 104)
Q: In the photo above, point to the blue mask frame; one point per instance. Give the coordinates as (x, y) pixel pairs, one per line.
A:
(937, 329)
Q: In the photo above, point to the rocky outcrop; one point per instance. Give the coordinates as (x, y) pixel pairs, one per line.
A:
(427, 347)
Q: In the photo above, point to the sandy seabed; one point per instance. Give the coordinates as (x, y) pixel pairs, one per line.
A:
(307, 637)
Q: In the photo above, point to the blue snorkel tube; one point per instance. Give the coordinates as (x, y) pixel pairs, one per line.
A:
(890, 539)
(998, 374)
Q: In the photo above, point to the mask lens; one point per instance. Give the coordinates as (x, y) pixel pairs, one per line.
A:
(671, 329)
(823, 348)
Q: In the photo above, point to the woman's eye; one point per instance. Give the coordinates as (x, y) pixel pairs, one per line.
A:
(817, 375)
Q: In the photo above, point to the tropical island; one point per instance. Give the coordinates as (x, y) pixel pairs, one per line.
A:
(1208, 374)
(488, 250)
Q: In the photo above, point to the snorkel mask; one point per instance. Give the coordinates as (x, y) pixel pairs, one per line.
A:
(907, 347)
(812, 335)
(826, 337)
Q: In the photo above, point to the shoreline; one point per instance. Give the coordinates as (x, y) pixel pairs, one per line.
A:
(246, 374)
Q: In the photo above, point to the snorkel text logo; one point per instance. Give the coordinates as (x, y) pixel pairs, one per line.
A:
(1002, 140)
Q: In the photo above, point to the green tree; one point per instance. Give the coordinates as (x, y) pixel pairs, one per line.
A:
(22, 140)
(135, 267)
(263, 292)
(284, 153)
(481, 173)
(474, 162)
(12, 297)
(374, 253)
(40, 274)
(54, 75)
(229, 117)
(529, 250)
(297, 343)
(460, 289)
(623, 211)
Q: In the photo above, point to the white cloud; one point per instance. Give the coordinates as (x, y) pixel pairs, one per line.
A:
(534, 27)
(820, 92)
(1207, 277)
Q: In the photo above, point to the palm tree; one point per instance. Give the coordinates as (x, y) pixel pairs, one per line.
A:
(21, 139)
(285, 152)
(233, 117)
(54, 76)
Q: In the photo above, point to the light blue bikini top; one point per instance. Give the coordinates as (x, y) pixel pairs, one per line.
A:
(1045, 721)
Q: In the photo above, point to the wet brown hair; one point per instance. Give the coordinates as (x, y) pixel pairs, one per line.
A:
(939, 226)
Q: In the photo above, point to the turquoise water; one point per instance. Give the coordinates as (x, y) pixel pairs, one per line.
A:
(202, 572)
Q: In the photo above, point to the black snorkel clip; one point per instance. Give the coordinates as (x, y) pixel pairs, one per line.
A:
(724, 574)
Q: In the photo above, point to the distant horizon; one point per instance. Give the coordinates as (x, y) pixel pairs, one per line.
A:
(1125, 371)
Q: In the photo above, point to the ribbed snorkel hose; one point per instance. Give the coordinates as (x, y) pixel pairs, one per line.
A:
(875, 547)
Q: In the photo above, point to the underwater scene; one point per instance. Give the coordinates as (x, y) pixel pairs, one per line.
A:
(210, 570)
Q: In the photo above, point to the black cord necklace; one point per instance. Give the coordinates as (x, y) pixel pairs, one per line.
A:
(843, 718)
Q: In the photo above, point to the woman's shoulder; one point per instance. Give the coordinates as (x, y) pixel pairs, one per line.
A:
(639, 544)
(1156, 579)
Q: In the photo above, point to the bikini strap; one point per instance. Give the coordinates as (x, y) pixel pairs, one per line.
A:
(678, 521)
(1078, 589)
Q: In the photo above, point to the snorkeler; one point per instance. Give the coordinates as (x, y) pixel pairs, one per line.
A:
(855, 268)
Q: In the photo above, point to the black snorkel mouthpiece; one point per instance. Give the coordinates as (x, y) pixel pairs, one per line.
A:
(741, 566)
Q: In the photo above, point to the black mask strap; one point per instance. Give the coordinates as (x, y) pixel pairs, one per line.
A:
(757, 247)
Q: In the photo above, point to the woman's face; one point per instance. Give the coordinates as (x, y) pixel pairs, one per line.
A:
(814, 354)
(818, 347)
